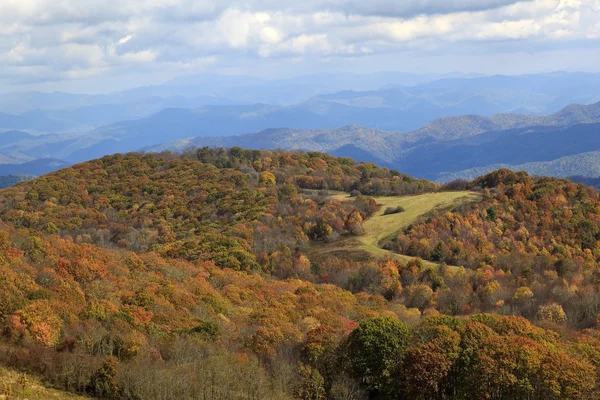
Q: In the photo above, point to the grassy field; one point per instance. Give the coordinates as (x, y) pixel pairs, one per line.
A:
(11, 384)
(381, 228)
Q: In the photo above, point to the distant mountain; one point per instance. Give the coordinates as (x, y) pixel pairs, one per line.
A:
(528, 94)
(581, 166)
(12, 180)
(388, 101)
(196, 91)
(207, 89)
(595, 182)
(36, 121)
(315, 115)
(510, 147)
(36, 167)
(470, 125)
(447, 148)
(11, 137)
(445, 145)
(176, 124)
(356, 142)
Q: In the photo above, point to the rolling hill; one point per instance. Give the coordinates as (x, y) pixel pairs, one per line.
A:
(225, 274)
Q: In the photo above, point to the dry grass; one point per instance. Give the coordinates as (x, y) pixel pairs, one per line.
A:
(12, 384)
(381, 228)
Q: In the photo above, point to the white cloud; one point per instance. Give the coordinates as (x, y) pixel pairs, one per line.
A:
(75, 39)
(125, 39)
(270, 35)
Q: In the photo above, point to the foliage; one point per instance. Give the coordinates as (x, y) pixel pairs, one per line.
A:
(375, 350)
(159, 277)
(532, 241)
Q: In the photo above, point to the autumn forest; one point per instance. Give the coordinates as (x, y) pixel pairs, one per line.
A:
(238, 274)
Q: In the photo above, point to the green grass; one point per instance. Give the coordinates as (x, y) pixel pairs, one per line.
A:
(33, 390)
(379, 229)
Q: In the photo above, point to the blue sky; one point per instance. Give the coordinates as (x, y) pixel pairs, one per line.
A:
(98, 45)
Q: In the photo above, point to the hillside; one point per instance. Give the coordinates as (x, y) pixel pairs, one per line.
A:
(509, 147)
(349, 141)
(11, 180)
(394, 214)
(23, 386)
(582, 165)
(541, 232)
(154, 272)
(35, 167)
(163, 276)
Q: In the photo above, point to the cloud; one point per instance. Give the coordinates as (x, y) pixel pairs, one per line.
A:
(73, 39)
(125, 39)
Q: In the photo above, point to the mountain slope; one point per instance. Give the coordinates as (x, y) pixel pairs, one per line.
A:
(515, 146)
(11, 180)
(583, 165)
(470, 125)
(36, 167)
(36, 121)
(350, 141)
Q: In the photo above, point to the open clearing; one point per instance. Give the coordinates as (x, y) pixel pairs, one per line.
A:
(381, 228)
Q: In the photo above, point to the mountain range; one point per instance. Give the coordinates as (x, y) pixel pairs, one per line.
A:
(446, 147)
(437, 129)
(391, 101)
(59, 111)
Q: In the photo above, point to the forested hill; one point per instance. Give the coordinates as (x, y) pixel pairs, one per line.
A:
(207, 204)
(537, 237)
(215, 274)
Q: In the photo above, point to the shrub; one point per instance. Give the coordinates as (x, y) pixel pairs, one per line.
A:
(393, 210)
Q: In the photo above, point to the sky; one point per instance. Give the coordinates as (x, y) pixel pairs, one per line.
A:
(106, 45)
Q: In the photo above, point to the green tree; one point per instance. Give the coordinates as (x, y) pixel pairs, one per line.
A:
(375, 350)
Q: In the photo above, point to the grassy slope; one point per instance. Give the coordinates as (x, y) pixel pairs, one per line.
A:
(34, 390)
(381, 228)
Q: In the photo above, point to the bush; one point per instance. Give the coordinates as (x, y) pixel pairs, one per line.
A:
(393, 210)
